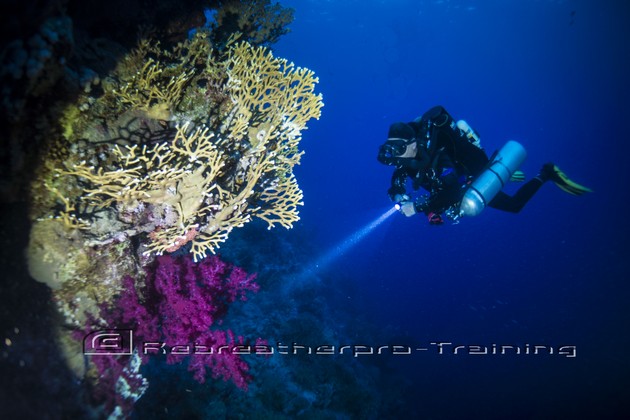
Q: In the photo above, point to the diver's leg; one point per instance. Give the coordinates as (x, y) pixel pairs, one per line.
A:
(515, 203)
(549, 172)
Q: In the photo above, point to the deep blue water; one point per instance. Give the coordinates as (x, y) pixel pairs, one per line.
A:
(550, 74)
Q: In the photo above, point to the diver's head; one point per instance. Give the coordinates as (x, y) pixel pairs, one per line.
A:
(400, 146)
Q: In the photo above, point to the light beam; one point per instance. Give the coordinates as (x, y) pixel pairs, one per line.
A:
(342, 247)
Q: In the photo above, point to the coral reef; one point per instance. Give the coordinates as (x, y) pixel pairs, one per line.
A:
(147, 140)
(172, 150)
(179, 180)
(56, 54)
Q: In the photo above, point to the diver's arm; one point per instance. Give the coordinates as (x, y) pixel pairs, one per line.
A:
(447, 193)
(399, 178)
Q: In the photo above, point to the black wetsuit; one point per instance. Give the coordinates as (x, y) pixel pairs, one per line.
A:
(446, 163)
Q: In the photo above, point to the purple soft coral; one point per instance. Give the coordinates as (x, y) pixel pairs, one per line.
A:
(179, 303)
(186, 298)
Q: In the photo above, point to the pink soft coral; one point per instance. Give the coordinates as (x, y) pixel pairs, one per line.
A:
(185, 299)
(178, 305)
(181, 301)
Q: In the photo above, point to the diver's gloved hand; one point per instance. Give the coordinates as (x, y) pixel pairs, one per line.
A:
(405, 205)
(399, 198)
(408, 208)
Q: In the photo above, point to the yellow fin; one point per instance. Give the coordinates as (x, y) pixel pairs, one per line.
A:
(564, 183)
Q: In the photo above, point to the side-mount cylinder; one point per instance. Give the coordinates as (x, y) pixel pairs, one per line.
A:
(486, 186)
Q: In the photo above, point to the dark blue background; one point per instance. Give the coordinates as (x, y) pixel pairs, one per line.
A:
(552, 75)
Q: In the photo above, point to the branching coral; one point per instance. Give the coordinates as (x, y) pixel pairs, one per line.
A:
(273, 100)
(204, 182)
(153, 92)
(159, 77)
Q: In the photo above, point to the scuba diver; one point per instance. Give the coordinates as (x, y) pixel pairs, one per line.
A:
(445, 158)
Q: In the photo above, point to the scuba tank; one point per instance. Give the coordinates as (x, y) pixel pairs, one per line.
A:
(490, 181)
(471, 134)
